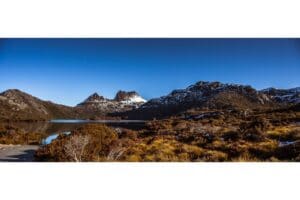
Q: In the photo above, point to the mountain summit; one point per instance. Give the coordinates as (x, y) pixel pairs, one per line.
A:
(129, 97)
(123, 101)
(94, 98)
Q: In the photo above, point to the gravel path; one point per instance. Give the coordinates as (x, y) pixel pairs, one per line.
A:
(17, 153)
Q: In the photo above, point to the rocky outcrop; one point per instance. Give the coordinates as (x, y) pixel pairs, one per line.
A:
(284, 95)
(94, 98)
(129, 97)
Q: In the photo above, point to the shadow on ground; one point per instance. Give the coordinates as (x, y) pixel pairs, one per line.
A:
(27, 156)
(18, 153)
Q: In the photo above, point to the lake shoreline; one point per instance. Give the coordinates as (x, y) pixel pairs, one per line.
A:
(95, 121)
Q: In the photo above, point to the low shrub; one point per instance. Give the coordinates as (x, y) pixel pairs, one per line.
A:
(92, 142)
(11, 135)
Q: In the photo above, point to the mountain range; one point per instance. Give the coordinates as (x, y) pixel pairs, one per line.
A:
(16, 105)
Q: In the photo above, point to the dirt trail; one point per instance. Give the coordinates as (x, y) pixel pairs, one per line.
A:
(17, 153)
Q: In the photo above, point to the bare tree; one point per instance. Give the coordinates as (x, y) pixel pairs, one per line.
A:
(74, 148)
(116, 153)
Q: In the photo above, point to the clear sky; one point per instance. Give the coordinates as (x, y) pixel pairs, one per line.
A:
(66, 71)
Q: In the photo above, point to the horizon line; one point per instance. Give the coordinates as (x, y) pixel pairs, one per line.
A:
(48, 100)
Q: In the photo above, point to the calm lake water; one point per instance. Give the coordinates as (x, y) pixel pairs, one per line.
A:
(79, 121)
(53, 128)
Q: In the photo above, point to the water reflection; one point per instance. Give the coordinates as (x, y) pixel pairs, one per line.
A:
(79, 121)
(52, 129)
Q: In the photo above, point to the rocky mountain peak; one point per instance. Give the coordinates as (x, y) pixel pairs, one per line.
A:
(123, 95)
(214, 84)
(95, 97)
(17, 96)
(131, 96)
(123, 101)
(218, 86)
(12, 92)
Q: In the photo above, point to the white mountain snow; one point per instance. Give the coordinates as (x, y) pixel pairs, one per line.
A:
(134, 99)
(122, 102)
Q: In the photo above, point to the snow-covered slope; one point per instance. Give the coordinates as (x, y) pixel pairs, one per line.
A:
(134, 99)
(129, 97)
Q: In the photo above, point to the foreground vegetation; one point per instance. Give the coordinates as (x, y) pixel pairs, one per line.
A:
(193, 136)
(13, 135)
(210, 136)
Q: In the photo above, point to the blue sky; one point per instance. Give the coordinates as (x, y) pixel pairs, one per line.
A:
(66, 71)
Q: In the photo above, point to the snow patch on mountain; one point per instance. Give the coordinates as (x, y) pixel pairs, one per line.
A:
(123, 101)
(202, 91)
(134, 99)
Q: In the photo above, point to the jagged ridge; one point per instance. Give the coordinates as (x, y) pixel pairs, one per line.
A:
(284, 95)
(123, 101)
(204, 95)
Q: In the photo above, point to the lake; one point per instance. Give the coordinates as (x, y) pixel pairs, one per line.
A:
(52, 128)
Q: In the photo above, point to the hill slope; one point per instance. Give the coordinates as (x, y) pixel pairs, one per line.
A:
(204, 95)
(16, 105)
